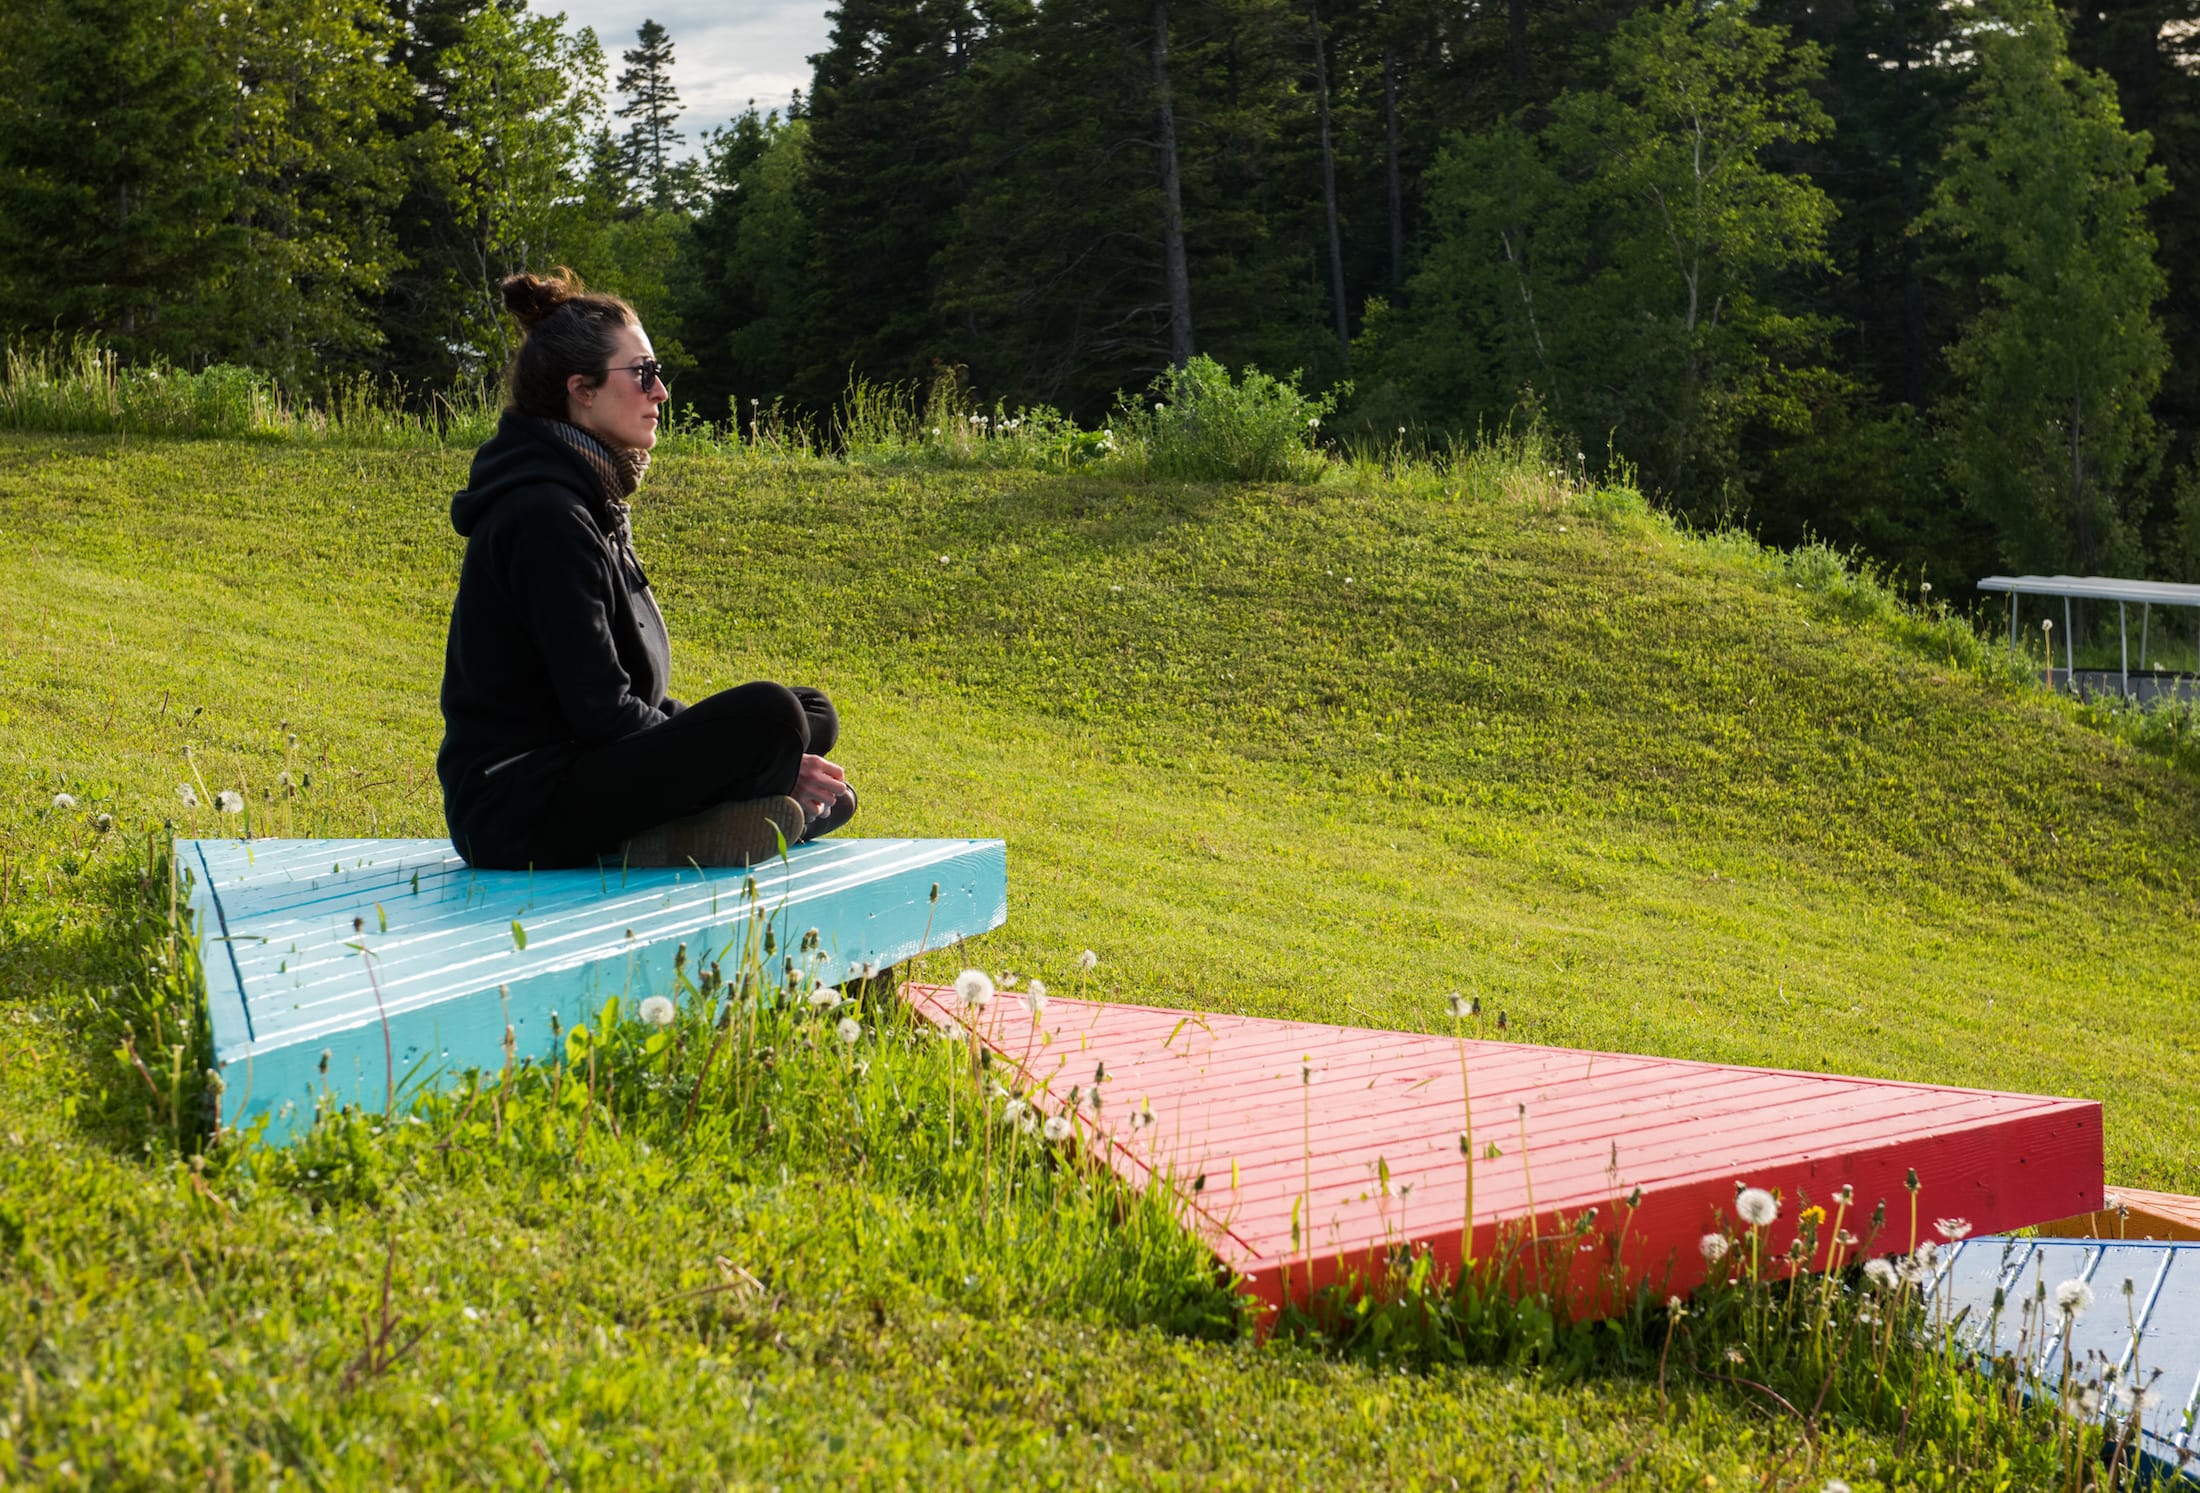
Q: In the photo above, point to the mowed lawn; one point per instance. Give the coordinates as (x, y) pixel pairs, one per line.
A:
(1328, 752)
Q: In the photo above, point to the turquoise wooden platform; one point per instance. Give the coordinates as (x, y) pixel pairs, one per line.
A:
(282, 925)
(2155, 1327)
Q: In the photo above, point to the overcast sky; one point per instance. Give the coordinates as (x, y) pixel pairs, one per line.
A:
(724, 52)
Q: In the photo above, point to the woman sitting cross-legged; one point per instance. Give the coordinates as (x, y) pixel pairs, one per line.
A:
(559, 744)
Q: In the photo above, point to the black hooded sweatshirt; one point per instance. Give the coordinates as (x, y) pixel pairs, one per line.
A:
(556, 643)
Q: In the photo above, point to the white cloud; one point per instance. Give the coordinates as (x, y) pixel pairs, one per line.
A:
(724, 52)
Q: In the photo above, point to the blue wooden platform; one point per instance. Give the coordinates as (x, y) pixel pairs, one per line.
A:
(282, 925)
(2155, 1327)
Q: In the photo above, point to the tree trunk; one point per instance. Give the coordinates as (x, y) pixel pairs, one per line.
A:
(1397, 202)
(2080, 499)
(1329, 186)
(1172, 196)
(1913, 278)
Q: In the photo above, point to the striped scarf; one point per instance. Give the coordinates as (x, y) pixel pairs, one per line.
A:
(618, 472)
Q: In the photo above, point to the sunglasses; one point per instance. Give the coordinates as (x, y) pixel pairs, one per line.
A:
(646, 372)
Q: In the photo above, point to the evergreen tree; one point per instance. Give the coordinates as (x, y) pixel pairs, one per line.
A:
(317, 173)
(505, 156)
(652, 104)
(741, 297)
(2151, 50)
(1625, 261)
(203, 184)
(2046, 193)
(115, 192)
(885, 170)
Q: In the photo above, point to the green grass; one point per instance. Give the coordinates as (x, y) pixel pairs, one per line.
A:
(1323, 751)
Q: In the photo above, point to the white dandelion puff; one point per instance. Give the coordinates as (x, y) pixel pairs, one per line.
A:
(1954, 1230)
(2073, 1296)
(658, 1010)
(850, 1029)
(1458, 1005)
(1035, 997)
(1713, 1247)
(189, 796)
(824, 999)
(1756, 1207)
(64, 800)
(229, 801)
(1087, 960)
(1880, 1274)
(1058, 1130)
(974, 988)
(1015, 1110)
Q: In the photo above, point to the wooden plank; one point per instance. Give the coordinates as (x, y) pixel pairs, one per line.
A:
(313, 949)
(2144, 1320)
(1248, 1144)
(2134, 1213)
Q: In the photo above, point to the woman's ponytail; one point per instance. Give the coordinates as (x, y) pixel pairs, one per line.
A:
(569, 329)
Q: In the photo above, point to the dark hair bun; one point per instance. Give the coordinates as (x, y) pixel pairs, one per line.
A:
(531, 298)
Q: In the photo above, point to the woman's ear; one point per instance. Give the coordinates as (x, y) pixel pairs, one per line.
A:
(576, 387)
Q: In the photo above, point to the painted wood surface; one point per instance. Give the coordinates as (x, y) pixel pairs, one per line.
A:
(310, 946)
(1258, 1123)
(2144, 1320)
(2133, 1213)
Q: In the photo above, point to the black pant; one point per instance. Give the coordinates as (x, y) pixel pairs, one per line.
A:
(745, 742)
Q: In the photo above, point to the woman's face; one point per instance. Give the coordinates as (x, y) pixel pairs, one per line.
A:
(622, 410)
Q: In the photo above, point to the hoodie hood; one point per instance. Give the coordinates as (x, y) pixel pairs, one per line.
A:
(520, 456)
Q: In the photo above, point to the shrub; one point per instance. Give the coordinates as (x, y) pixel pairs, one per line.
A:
(1195, 422)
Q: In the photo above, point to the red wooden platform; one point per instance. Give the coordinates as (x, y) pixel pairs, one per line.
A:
(1217, 1108)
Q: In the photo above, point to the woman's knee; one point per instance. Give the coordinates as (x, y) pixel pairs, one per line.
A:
(773, 711)
(824, 721)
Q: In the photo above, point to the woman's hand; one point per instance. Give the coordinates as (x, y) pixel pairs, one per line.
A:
(818, 785)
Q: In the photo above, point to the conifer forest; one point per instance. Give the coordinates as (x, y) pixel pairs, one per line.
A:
(1914, 278)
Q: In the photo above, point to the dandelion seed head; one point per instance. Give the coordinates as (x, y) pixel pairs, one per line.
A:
(229, 801)
(1057, 1129)
(64, 800)
(1035, 997)
(1456, 1004)
(1087, 960)
(658, 1010)
(104, 823)
(185, 792)
(1015, 1110)
(850, 1029)
(1954, 1230)
(1880, 1274)
(974, 988)
(823, 999)
(2073, 1296)
(1713, 1247)
(1756, 1207)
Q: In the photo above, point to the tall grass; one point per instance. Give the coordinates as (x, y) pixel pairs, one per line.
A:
(77, 387)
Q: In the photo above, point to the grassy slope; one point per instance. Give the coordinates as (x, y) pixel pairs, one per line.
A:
(1640, 793)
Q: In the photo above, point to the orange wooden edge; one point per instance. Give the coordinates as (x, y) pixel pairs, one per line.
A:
(2130, 1213)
